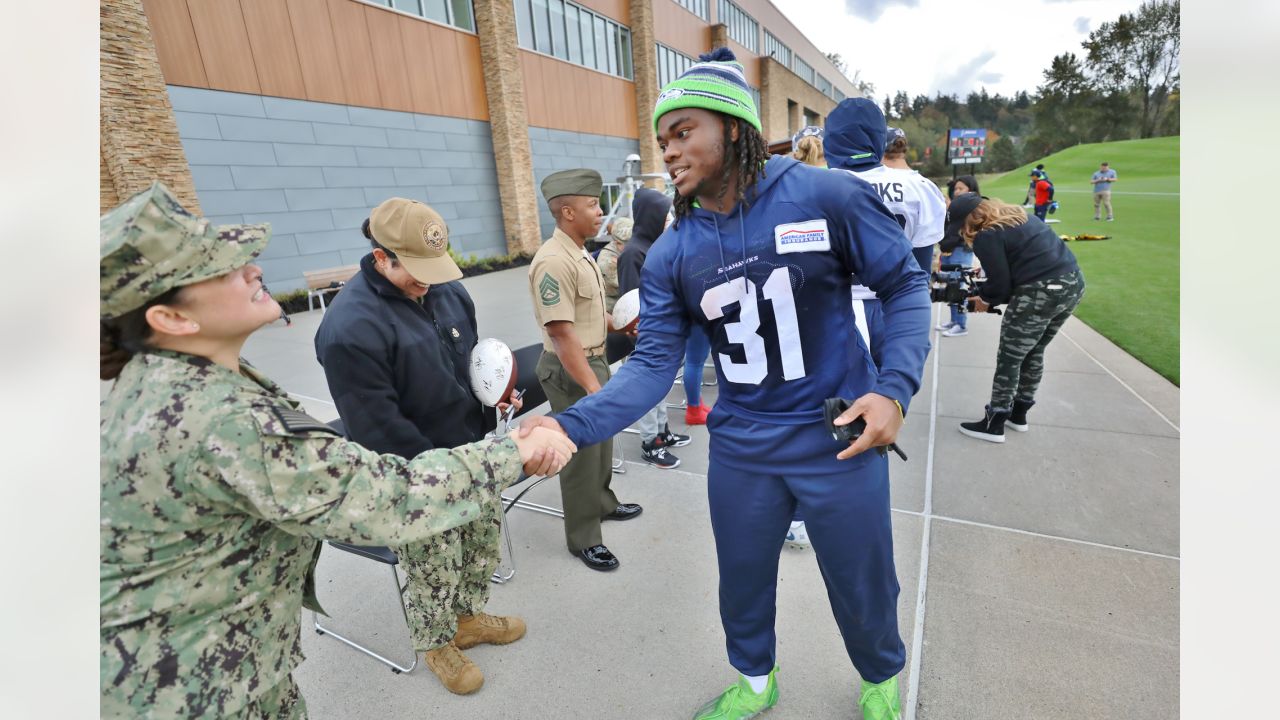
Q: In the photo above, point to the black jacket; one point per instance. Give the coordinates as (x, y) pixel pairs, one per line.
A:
(649, 212)
(1020, 255)
(397, 369)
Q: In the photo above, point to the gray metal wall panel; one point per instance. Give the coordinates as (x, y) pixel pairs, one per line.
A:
(315, 170)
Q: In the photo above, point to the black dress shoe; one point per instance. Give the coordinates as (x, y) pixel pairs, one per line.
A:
(597, 557)
(625, 511)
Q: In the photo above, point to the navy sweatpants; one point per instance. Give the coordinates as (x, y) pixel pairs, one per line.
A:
(848, 521)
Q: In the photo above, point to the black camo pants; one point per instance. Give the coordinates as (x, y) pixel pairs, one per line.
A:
(1033, 317)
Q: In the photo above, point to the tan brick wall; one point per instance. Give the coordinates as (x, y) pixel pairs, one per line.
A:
(504, 89)
(107, 197)
(139, 136)
(644, 60)
(777, 86)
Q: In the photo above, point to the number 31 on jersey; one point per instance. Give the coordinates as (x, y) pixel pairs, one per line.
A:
(745, 331)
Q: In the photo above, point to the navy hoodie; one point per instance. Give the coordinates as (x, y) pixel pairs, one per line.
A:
(649, 211)
(399, 369)
(770, 284)
(854, 138)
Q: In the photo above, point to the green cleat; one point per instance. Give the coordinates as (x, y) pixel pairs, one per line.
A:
(740, 702)
(879, 701)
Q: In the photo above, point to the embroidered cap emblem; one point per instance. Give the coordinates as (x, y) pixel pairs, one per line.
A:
(434, 235)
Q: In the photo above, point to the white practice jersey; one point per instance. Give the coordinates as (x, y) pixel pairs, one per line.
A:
(913, 199)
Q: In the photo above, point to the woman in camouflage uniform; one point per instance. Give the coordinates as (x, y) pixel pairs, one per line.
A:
(217, 489)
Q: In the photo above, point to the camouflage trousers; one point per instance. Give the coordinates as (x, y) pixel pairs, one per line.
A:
(1033, 317)
(448, 576)
(282, 702)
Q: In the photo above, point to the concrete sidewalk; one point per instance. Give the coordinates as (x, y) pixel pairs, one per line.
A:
(1039, 577)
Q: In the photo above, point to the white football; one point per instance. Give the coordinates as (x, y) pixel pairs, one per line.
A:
(493, 371)
(626, 312)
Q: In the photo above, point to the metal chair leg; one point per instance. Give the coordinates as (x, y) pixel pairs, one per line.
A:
(395, 668)
(619, 459)
(535, 507)
(498, 576)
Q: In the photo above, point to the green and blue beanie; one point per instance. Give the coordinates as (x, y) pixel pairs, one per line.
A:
(715, 83)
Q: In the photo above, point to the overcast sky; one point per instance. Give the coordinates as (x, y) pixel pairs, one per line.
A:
(928, 46)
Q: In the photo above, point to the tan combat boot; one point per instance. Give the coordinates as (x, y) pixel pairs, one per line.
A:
(485, 628)
(455, 670)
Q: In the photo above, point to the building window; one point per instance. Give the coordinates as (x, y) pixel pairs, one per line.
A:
(804, 70)
(671, 65)
(571, 32)
(774, 48)
(609, 194)
(824, 86)
(839, 96)
(742, 27)
(701, 8)
(755, 98)
(450, 12)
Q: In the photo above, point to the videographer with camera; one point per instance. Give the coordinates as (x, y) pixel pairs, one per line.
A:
(1030, 269)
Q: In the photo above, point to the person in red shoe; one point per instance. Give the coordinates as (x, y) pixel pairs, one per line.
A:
(696, 350)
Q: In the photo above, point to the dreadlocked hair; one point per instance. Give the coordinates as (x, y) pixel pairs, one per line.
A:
(744, 159)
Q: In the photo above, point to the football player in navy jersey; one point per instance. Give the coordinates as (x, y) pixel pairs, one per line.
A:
(760, 256)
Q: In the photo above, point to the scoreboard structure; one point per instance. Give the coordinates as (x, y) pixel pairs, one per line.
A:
(966, 146)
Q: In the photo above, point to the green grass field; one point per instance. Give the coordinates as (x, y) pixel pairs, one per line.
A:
(1131, 279)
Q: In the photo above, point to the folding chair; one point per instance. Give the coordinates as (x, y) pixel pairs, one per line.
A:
(617, 347)
(383, 555)
(534, 396)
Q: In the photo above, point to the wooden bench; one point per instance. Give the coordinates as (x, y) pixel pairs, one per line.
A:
(329, 280)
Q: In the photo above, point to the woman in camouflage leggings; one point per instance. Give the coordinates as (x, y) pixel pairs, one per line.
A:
(1028, 267)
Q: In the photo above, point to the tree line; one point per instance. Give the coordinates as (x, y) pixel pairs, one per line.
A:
(1124, 85)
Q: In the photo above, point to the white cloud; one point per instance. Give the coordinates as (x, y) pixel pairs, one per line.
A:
(1082, 25)
(923, 46)
(873, 9)
(968, 76)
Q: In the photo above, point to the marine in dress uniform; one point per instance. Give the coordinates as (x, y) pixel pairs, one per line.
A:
(568, 304)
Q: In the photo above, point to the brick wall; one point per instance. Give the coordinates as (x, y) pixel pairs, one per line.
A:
(563, 150)
(315, 170)
(139, 143)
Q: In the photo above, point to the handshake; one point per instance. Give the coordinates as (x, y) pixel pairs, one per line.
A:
(543, 445)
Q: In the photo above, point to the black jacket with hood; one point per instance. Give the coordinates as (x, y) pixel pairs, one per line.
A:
(649, 212)
(398, 369)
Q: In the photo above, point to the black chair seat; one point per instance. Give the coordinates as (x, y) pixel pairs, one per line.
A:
(373, 552)
(617, 346)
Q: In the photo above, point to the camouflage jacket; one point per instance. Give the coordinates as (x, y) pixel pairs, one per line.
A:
(215, 494)
(608, 262)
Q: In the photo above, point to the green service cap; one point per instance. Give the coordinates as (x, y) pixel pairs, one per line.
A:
(151, 244)
(581, 181)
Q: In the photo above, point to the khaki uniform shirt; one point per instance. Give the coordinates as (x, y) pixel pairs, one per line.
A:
(566, 285)
(216, 493)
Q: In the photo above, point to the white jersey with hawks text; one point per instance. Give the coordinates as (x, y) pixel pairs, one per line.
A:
(916, 203)
(913, 199)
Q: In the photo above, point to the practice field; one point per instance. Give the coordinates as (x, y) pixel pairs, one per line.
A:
(1132, 279)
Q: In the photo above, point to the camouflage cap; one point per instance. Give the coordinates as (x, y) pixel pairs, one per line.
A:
(581, 181)
(151, 244)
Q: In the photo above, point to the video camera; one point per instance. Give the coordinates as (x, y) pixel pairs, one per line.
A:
(956, 285)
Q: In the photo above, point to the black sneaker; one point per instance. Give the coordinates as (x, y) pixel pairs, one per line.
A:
(1018, 417)
(989, 428)
(671, 439)
(655, 453)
